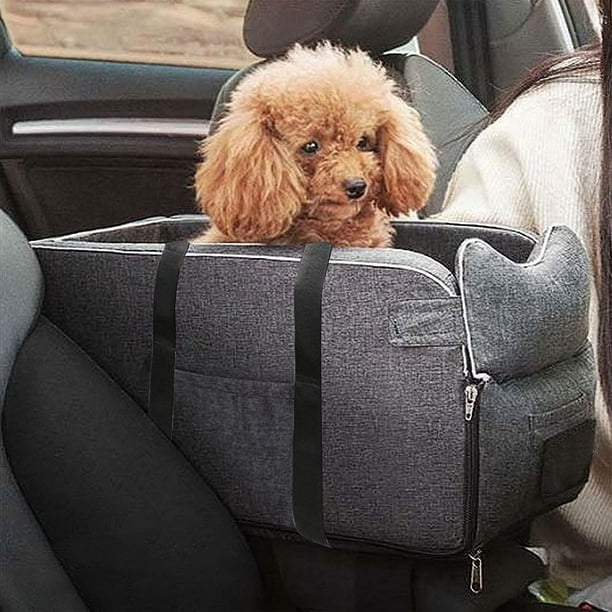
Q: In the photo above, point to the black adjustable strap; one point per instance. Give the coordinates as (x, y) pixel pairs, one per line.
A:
(307, 443)
(161, 384)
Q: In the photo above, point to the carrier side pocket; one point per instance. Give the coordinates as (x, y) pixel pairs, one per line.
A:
(566, 435)
(566, 458)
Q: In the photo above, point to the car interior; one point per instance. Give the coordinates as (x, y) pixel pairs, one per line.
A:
(89, 482)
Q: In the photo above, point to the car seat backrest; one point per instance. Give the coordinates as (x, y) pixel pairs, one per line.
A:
(451, 115)
(31, 577)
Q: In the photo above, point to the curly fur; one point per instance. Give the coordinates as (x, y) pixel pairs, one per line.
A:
(256, 182)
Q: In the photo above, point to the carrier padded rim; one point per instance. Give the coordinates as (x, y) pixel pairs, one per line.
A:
(383, 258)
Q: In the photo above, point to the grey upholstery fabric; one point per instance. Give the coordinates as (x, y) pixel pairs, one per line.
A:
(30, 576)
(426, 322)
(224, 333)
(233, 357)
(396, 352)
(452, 117)
(522, 318)
(425, 237)
(517, 418)
(270, 27)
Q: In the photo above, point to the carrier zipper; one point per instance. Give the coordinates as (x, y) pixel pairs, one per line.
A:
(472, 393)
(476, 577)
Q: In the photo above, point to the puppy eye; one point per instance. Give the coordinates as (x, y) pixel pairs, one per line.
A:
(363, 144)
(310, 148)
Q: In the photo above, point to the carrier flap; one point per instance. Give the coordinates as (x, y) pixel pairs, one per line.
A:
(523, 317)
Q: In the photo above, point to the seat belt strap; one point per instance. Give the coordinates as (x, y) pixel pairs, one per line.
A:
(163, 353)
(307, 425)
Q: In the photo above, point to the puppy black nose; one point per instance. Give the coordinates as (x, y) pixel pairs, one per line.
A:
(354, 187)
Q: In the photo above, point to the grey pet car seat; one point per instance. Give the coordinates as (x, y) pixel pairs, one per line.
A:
(456, 400)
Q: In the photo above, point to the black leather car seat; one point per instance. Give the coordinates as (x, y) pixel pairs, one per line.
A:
(451, 115)
(99, 510)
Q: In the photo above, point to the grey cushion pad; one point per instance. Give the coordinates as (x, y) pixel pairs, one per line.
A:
(394, 373)
(525, 318)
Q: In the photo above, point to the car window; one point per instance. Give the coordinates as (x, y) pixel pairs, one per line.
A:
(190, 32)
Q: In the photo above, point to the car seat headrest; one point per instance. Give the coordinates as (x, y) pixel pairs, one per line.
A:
(271, 27)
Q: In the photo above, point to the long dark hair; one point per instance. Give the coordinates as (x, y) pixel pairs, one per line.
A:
(605, 216)
(586, 64)
(582, 65)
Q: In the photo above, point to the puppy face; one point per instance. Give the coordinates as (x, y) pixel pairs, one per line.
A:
(338, 155)
(318, 134)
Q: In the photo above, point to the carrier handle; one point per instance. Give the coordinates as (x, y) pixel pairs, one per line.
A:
(163, 352)
(307, 424)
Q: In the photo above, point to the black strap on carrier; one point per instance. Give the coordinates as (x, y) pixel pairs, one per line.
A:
(161, 382)
(307, 429)
(307, 425)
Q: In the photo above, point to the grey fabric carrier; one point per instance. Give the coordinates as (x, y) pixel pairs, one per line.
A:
(456, 405)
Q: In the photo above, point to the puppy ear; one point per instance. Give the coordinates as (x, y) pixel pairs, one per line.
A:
(408, 159)
(248, 183)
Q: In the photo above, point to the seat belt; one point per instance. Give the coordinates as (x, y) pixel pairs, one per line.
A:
(472, 58)
(163, 351)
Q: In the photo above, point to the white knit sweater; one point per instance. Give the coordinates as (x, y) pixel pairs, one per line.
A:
(539, 165)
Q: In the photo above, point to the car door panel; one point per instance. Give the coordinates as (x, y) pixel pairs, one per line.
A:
(89, 144)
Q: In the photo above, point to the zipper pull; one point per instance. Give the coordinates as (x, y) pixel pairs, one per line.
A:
(471, 395)
(476, 581)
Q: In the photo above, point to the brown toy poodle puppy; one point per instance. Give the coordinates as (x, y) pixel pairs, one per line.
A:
(316, 146)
